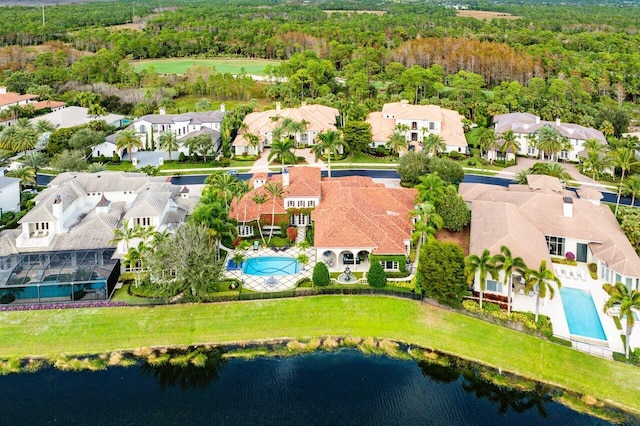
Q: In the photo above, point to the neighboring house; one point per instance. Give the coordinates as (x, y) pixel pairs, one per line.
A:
(80, 211)
(353, 217)
(416, 122)
(10, 99)
(526, 126)
(541, 219)
(64, 117)
(316, 119)
(9, 194)
(184, 126)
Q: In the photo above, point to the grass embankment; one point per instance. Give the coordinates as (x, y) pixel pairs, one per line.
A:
(79, 331)
(180, 66)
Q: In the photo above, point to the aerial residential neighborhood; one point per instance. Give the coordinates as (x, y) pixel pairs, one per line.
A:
(294, 211)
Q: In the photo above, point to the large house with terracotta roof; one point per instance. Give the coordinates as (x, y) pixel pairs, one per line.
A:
(316, 119)
(353, 218)
(541, 219)
(526, 127)
(10, 99)
(416, 122)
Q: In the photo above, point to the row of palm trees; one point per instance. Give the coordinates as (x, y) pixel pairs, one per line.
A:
(486, 265)
(129, 139)
(23, 135)
(432, 144)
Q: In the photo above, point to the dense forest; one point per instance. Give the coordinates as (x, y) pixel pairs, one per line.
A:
(578, 61)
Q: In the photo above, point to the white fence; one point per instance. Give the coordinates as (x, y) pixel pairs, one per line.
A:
(592, 349)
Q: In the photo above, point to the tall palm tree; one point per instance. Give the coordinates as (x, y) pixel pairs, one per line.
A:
(593, 144)
(128, 139)
(169, 142)
(126, 234)
(260, 199)
(595, 163)
(35, 160)
(282, 150)
(397, 142)
(550, 141)
(627, 299)
(434, 144)
(327, 142)
(509, 143)
(487, 141)
(224, 184)
(509, 264)
(541, 279)
(631, 187)
(203, 105)
(432, 188)
(26, 175)
(428, 221)
(254, 141)
(43, 126)
(135, 258)
(480, 265)
(625, 159)
(295, 128)
(275, 192)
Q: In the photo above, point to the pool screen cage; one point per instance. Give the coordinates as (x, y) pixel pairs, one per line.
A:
(62, 276)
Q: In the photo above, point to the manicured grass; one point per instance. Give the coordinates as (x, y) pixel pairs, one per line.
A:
(359, 158)
(180, 66)
(92, 330)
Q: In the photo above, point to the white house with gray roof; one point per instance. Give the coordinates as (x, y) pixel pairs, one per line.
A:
(149, 128)
(80, 211)
(526, 127)
(9, 194)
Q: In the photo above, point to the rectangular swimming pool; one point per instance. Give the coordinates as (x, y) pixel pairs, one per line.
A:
(271, 266)
(581, 314)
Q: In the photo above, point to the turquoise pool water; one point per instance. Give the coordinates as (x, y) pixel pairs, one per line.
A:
(271, 266)
(581, 314)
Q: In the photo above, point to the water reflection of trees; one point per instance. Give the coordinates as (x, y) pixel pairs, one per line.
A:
(472, 381)
(192, 369)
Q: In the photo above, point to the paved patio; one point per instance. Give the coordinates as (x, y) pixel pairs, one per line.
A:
(574, 277)
(272, 283)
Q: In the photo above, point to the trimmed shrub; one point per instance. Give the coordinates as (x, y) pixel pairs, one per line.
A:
(182, 158)
(376, 276)
(320, 276)
(115, 159)
(570, 256)
(454, 212)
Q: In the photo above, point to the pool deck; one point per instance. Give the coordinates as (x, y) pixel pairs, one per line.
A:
(553, 308)
(276, 283)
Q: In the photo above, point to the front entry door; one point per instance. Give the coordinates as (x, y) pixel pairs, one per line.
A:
(581, 256)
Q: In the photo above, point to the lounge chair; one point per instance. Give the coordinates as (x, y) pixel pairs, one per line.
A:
(256, 245)
(570, 274)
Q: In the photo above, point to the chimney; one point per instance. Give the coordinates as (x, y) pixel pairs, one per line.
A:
(162, 111)
(278, 106)
(184, 192)
(404, 103)
(285, 177)
(557, 121)
(3, 90)
(223, 107)
(103, 205)
(537, 120)
(567, 206)
(57, 210)
(303, 104)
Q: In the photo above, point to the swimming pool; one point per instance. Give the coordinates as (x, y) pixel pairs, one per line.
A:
(581, 314)
(271, 266)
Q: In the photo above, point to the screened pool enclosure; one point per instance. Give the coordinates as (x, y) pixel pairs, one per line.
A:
(64, 276)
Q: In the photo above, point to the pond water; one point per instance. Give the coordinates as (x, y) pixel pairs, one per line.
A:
(339, 388)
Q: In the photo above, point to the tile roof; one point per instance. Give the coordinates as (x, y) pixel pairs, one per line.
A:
(526, 123)
(191, 117)
(542, 209)
(11, 98)
(48, 104)
(303, 182)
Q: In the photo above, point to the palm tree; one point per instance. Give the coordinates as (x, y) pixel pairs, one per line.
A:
(628, 300)
(482, 265)
(5, 157)
(134, 259)
(275, 192)
(282, 150)
(26, 175)
(43, 126)
(254, 141)
(541, 280)
(550, 141)
(593, 144)
(631, 187)
(428, 221)
(169, 142)
(35, 160)
(128, 139)
(397, 142)
(625, 159)
(509, 264)
(509, 143)
(434, 144)
(521, 176)
(327, 142)
(260, 199)
(595, 163)
(224, 184)
(295, 128)
(97, 167)
(203, 105)
(432, 188)
(126, 234)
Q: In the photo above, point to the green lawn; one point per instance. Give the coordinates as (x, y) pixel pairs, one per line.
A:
(180, 66)
(93, 330)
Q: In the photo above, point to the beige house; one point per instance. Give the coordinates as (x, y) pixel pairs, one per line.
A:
(315, 118)
(541, 220)
(417, 122)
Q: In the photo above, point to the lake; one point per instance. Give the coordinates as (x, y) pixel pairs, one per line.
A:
(323, 388)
